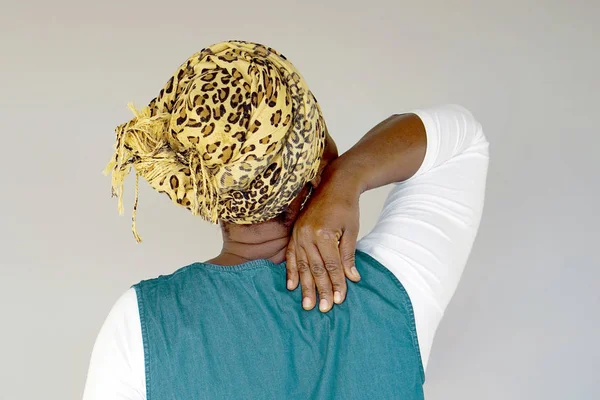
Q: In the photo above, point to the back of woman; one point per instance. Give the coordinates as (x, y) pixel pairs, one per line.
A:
(244, 337)
(236, 137)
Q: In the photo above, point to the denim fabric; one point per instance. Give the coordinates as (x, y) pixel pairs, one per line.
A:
(236, 332)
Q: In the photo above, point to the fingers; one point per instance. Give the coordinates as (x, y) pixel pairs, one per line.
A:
(330, 254)
(291, 266)
(306, 280)
(321, 278)
(347, 254)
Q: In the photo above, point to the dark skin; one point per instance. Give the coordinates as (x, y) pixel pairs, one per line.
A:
(319, 242)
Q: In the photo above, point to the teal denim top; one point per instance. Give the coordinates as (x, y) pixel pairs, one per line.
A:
(236, 332)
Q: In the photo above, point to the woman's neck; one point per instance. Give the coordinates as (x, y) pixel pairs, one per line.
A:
(242, 243)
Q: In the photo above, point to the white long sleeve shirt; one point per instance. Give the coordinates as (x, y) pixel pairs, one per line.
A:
(423, 236)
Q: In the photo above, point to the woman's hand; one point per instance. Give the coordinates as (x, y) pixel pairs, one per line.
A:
(392, 151)
(321, 249)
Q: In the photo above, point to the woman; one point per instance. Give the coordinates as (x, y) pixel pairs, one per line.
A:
(236, 137)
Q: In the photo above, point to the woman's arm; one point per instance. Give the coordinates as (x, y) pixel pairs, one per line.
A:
(400, 148)
(428, 224)
(116, 368)
(391, 152)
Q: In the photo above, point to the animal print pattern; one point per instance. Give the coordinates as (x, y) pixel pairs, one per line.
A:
(234, 135)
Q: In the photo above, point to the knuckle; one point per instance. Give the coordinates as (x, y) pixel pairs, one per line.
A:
(306, 230)
(348, 257)
(332, 266)
(302, 266)
(290, 254)
(306, 290)
(324, 294)
(319, 231)
(324, 233)
(340, 287)
(318, 269)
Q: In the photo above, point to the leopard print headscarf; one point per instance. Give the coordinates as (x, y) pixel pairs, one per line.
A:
(234, 135)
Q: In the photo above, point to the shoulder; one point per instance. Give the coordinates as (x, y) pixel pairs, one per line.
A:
(117, 364)
(175, 277)
(124, 309)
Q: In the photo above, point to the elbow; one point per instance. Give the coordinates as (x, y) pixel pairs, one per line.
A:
(472, 127)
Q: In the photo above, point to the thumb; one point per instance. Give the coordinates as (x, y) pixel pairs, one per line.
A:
(291, 266)
(347, 255)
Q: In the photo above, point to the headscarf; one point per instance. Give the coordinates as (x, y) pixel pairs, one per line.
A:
(233, 135)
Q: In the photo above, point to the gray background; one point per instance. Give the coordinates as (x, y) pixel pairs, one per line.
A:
(524, 323)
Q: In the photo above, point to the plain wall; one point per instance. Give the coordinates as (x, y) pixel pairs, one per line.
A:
(525, 321)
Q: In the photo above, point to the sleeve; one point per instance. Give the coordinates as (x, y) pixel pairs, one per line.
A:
(116, 370)
(429, 222)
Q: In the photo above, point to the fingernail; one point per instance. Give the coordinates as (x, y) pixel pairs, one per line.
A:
(289, 284)
(306, 303)
(337, 297)
(355, 272)
(323, 305)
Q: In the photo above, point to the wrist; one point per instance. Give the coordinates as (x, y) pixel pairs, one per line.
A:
(345, 176)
